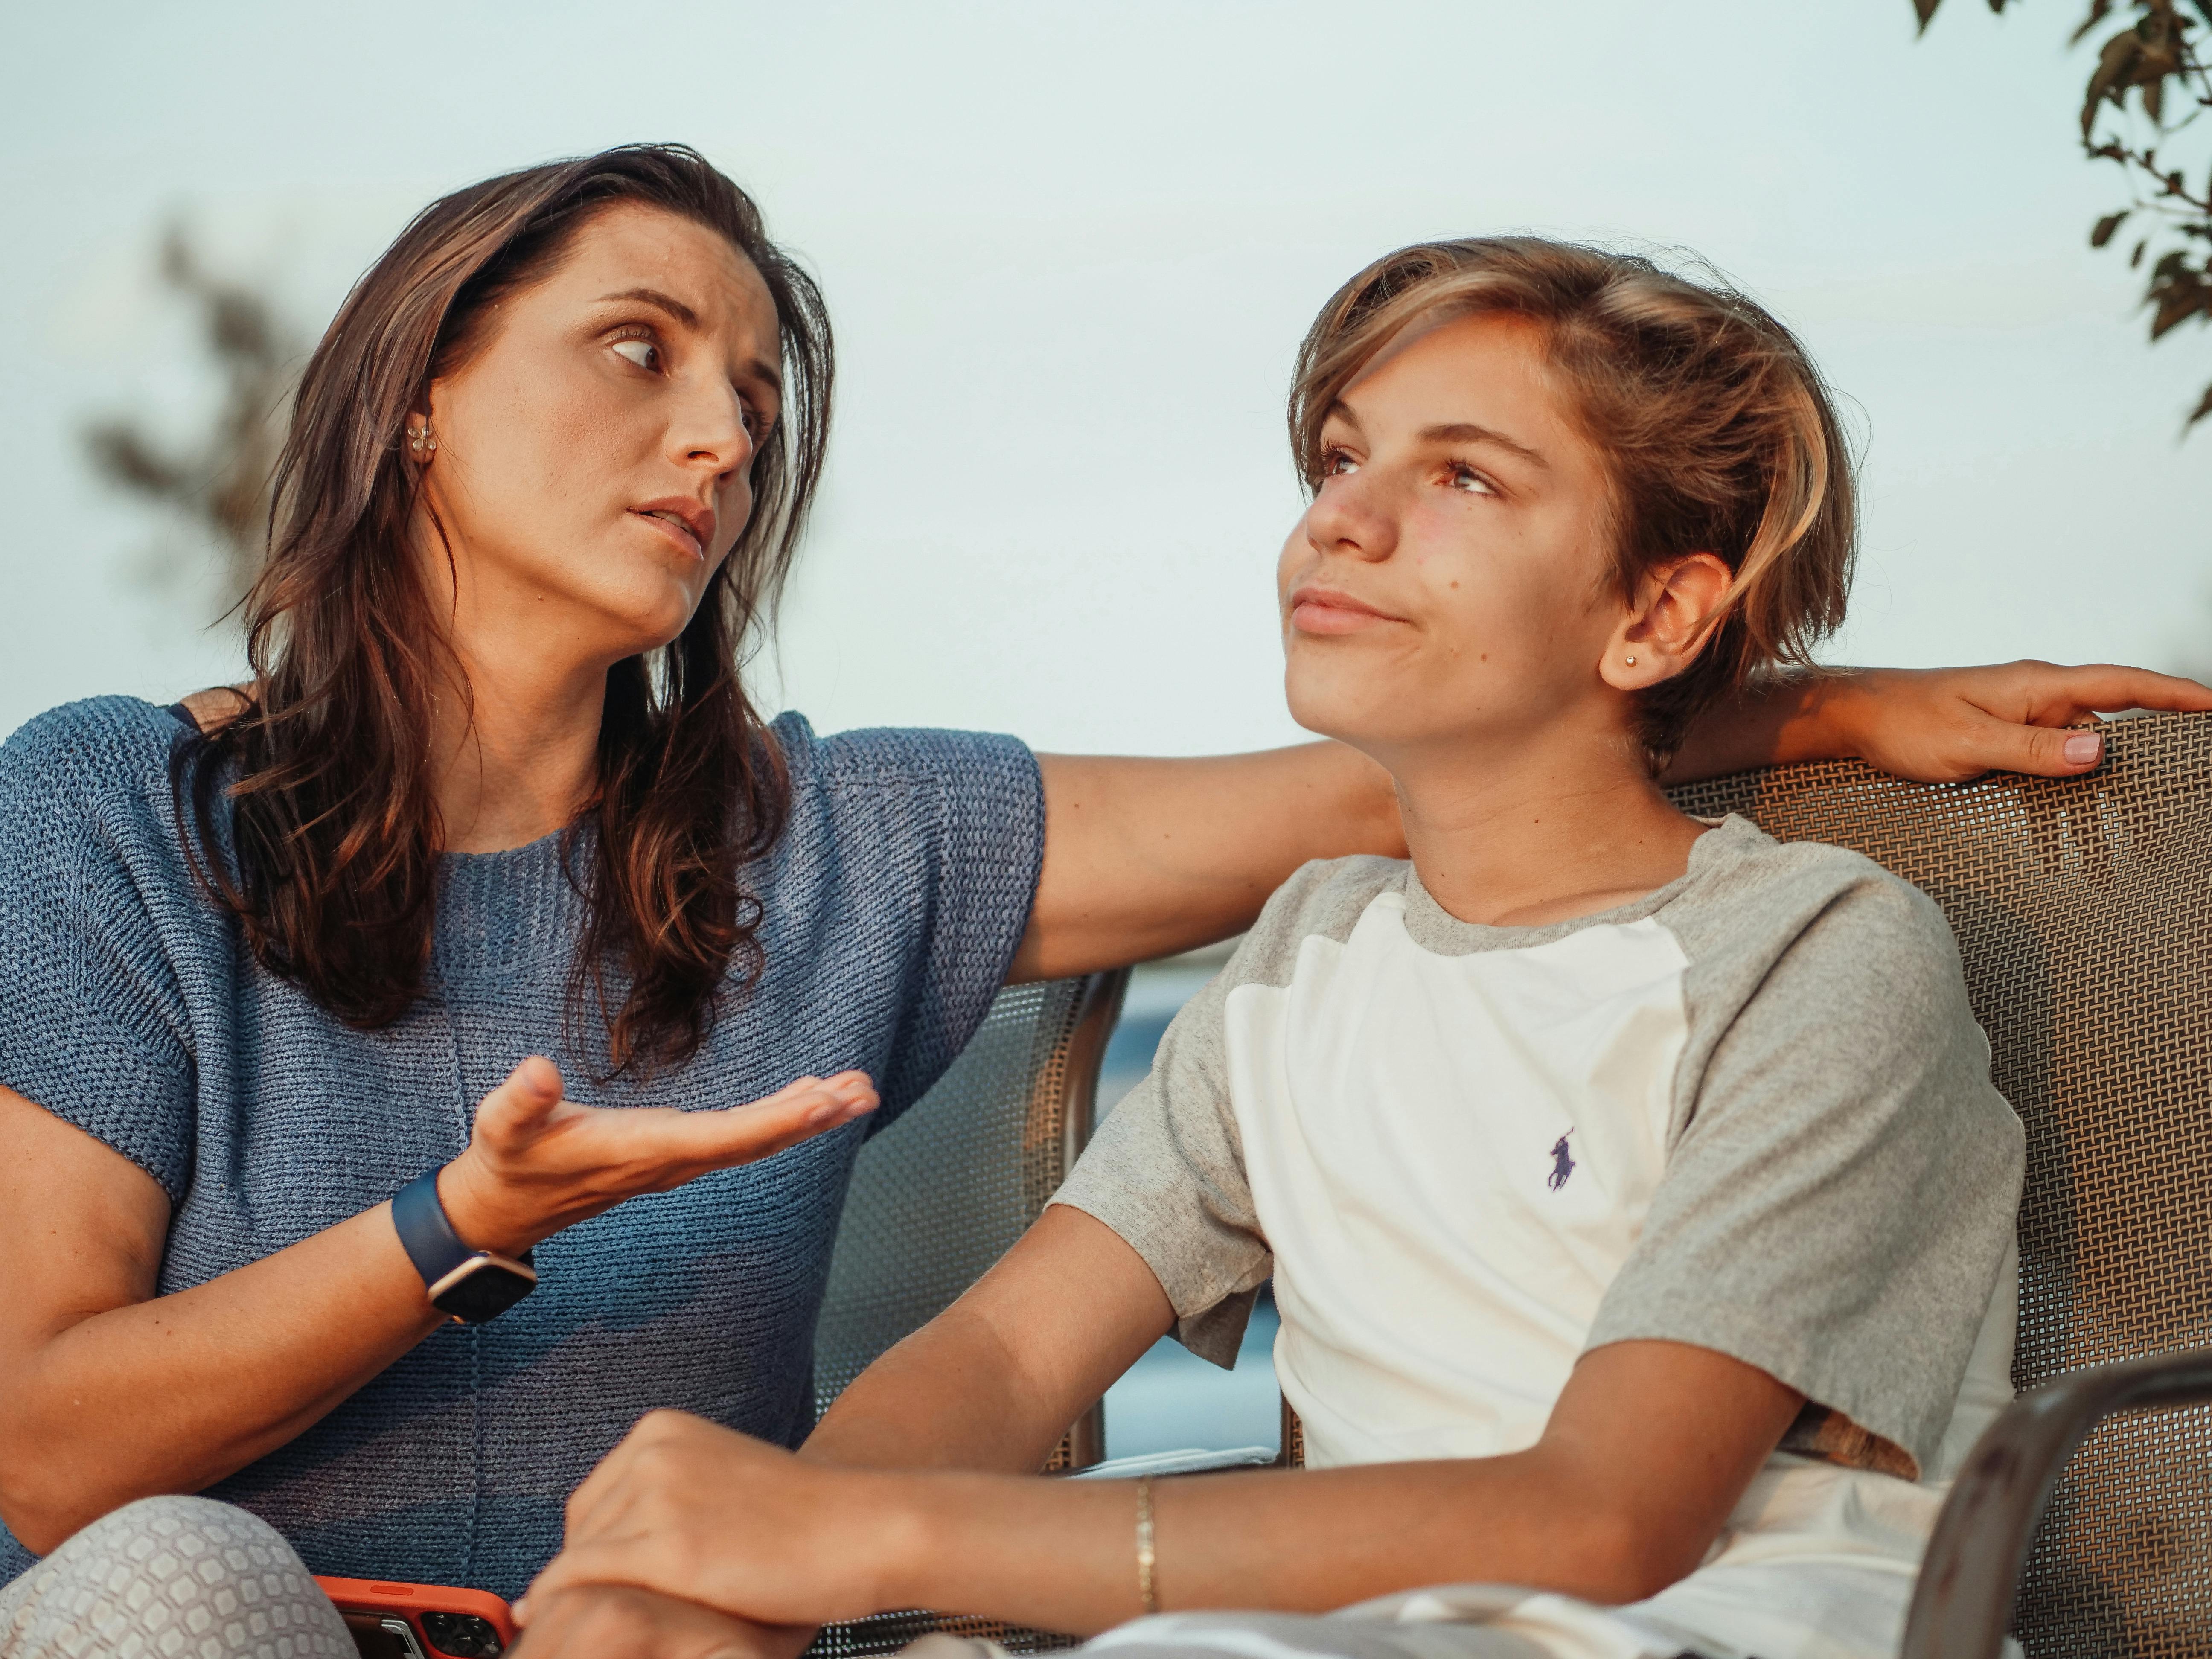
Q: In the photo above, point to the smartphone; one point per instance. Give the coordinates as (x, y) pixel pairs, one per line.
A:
(420, 1621)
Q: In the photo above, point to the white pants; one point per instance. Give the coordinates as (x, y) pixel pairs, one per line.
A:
(171, 1578)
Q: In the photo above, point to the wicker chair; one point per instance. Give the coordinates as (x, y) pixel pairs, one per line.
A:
(938, 1196)
(2084, 909)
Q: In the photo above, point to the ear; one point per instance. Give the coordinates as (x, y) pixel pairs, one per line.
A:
(1661, 633)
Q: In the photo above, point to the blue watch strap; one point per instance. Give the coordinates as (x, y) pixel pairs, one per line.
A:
(428, 1237)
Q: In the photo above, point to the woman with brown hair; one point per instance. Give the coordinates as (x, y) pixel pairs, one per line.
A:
(346, 1010)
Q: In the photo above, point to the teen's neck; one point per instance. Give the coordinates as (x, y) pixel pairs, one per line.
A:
(1513, 840)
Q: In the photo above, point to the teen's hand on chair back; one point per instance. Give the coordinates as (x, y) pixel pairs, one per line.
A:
(538, 1163)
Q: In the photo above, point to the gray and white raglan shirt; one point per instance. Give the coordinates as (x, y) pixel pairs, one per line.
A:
(1750, 1111)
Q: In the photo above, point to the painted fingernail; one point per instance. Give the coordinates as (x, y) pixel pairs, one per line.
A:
(2082, 748)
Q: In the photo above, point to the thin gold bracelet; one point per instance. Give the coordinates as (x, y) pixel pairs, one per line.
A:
(1144, 1555)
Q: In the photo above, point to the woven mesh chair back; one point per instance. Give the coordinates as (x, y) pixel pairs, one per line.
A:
(938, 1196)
(2084, 909)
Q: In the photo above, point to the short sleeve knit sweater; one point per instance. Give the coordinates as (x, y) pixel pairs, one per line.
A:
(892, 906)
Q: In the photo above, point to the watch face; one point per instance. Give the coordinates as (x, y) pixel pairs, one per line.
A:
(478, 1288)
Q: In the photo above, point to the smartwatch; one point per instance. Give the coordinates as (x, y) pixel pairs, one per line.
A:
(473, 1285)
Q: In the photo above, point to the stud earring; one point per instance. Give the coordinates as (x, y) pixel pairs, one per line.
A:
(1631, 662)
(422, 441)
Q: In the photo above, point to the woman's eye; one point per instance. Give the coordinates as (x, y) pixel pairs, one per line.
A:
(1336, 463)
(1473, 482)
(643, 353)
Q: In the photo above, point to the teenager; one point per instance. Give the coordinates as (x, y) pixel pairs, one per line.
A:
(1636, 1198)
(497, 790)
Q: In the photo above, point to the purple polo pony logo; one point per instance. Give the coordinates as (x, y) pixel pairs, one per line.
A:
(1561, 1164)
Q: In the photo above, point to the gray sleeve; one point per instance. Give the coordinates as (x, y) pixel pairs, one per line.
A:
(1839, 1202)
(1166, 1168)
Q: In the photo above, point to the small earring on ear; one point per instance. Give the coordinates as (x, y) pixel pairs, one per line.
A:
(422, 441)
(1631, 662)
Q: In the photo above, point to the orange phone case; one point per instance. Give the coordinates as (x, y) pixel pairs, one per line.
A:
(411, 1601)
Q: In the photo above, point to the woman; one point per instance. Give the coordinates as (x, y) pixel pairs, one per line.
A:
(495, 792)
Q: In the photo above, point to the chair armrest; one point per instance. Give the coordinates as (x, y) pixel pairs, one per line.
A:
(1192, 1461)
(1962, 1605)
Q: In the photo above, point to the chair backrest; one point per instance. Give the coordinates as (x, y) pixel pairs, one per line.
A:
(2084, 909)
(939, 1195)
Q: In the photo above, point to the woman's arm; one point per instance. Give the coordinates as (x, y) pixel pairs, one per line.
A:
(110, 1393)
(1933, 724)
(1144, 858)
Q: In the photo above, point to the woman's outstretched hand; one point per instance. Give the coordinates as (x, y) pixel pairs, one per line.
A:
(538, 1163)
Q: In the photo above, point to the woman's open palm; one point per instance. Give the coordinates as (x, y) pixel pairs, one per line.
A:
(538, 1162)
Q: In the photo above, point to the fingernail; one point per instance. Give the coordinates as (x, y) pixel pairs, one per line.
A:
(2082, 748)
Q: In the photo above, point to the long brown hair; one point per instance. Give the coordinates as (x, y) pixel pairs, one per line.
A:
(1715, 428)
(334, 830)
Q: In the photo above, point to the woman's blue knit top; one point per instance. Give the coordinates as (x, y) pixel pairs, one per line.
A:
(892, 906)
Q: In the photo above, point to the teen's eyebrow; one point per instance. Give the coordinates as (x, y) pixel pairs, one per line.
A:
(1466, 432)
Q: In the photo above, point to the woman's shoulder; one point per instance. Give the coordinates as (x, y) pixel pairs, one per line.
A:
(957, 814)
(910, 781)
(897, 758)
(98, 751)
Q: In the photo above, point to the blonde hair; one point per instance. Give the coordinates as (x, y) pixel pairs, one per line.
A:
(1717, 433)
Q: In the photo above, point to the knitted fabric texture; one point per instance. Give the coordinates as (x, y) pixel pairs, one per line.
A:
(892, 906)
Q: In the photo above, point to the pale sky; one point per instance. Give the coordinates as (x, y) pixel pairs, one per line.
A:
(1069, 250)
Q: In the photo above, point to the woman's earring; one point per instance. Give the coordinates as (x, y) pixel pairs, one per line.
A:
(1631, 661)
(422, 441)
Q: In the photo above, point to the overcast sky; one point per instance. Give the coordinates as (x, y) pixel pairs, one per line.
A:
(1069, 250)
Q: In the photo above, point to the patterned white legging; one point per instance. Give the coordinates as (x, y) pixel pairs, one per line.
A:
(171, 1578)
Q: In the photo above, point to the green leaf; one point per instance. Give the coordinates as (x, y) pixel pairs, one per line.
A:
(2106, 227)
